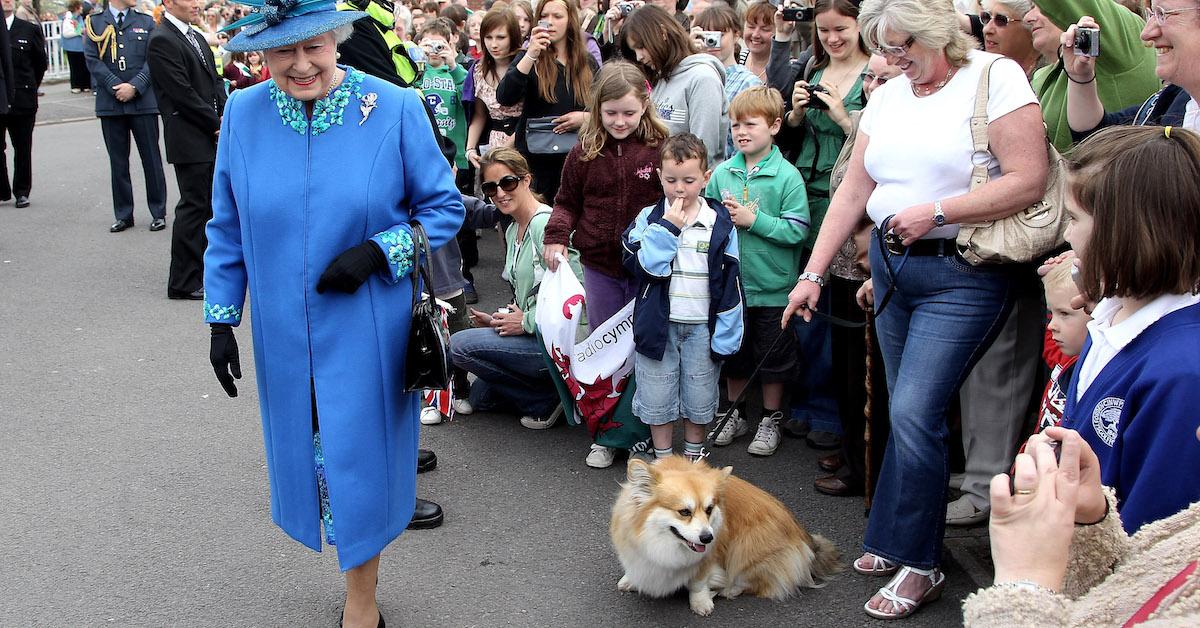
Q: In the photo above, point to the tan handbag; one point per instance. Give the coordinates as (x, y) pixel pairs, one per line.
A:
(1026, 235)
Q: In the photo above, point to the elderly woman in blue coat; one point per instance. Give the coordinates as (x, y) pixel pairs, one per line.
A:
(324, 247)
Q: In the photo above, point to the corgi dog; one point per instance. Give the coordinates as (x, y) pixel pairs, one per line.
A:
(679, 524)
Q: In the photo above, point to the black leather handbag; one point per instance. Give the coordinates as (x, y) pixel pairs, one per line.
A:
(427, 360)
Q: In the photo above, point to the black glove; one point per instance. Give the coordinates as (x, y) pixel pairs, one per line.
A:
(223, 353)
(350, 269)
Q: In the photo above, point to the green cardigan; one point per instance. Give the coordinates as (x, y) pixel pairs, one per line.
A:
(1124, 70)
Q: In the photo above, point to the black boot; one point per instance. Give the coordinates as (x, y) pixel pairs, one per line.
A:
(426, 515)
(426, 460)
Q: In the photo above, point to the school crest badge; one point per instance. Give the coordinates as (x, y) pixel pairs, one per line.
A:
(1106, 417)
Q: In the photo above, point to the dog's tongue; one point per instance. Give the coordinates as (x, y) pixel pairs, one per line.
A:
(696, 547)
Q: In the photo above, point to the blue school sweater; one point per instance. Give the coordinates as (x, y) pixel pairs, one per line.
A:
(1140, 417)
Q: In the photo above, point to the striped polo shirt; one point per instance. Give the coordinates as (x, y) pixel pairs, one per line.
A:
(689, 270)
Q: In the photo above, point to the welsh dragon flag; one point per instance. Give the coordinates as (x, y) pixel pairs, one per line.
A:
(595, 382)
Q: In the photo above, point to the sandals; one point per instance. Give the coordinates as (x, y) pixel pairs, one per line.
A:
(880, 566)
(903, 607)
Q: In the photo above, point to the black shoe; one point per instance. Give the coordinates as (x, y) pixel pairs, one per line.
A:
(196, 295)
(835, 486)
(818, 439)
(22, 201)
(426, 515)
(120, 226)
(381, 623)
(795, 428)
(426, 460)
(158, 225)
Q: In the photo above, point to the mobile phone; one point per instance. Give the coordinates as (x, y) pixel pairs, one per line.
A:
(1087, 41)
(544, 24)
(798, 14)
(1055, 446)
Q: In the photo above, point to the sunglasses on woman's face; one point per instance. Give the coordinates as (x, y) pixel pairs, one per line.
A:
(508, 183)
(988, 16)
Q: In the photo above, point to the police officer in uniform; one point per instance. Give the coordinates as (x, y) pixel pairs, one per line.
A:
(114, 44)
(29, 63)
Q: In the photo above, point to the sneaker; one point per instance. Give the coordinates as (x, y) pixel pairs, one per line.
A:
(734, 427)
(536, 423)
(430, 416)
(462, 406)
(766, 439)
(962, 512)
(600, 457)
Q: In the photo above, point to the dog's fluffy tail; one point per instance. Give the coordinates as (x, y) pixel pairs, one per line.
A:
(826, 558)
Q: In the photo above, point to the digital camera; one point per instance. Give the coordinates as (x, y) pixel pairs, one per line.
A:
(798, 14)
(813, 101)
(625, 8)
(711, 39)
(1087, 42)
(437, 47)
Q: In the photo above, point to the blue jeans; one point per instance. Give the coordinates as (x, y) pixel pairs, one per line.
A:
(941, 318)
(512, 374)
(683, 383)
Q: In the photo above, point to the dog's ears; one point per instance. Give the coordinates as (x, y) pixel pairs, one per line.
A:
(641, 477)
(726, 471)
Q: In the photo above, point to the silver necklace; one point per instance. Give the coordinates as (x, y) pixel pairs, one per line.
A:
(925, 91)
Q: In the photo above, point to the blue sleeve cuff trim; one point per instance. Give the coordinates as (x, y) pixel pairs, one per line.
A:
(398, 246)
(217, 313)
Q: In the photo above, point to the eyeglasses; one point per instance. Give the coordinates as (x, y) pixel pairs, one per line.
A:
(1160, 14)
(508, 183)
(868, 77)
(987, 16)
(895, 51)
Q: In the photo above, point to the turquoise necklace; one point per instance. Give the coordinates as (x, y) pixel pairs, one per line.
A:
(327, 111)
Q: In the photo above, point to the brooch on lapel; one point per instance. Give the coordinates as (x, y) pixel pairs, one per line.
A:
(368, 105)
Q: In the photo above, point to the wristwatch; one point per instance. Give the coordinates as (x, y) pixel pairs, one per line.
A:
(813, 277)
(939, 218)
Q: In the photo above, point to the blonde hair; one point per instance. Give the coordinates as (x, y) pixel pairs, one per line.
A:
(758, 101)
(932, 23)
(616, 80)
(1059, 277)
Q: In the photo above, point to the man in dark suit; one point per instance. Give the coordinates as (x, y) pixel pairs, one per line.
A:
(29, 63)
(191, 97)
(114, 44)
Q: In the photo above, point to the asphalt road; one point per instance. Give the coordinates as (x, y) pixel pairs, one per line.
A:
(135, 492)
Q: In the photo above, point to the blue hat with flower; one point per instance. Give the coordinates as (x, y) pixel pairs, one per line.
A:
(278, 23)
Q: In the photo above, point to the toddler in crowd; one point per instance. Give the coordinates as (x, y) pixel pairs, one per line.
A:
(1134, 202)
(442, 86)
(767, 202)
(1064, 338)
(688, 314)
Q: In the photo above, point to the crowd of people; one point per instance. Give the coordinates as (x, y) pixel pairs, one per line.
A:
(792, 195)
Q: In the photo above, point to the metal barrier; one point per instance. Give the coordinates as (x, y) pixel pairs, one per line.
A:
(58, 69)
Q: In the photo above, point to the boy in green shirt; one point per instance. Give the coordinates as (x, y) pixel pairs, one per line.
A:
(766, 198)
(442, 86)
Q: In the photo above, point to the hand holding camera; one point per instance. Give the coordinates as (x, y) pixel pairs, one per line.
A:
(709, 40)
(1080, 48)
(539, 39)
(817, 101)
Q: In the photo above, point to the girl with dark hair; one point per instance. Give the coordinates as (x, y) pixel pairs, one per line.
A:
(492, 124)
(688, 85)
(553, 77)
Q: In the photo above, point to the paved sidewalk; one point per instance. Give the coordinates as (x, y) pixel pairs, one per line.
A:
(135, 492)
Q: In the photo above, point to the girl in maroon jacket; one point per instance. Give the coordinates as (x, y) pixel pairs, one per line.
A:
(608, 177)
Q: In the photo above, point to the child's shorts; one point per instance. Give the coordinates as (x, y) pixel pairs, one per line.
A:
(762, 328)
(683, 383)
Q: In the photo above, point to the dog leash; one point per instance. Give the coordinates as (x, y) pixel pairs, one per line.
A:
(712, 434)
(885, 237)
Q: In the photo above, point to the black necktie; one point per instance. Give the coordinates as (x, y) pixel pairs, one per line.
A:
(120, 20)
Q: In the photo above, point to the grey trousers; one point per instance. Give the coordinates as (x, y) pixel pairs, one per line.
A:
(998, 396)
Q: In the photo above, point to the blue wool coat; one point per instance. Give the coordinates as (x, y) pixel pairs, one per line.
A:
(285, 204)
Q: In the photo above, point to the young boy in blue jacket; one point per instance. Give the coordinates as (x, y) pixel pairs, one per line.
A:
(688, 313)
